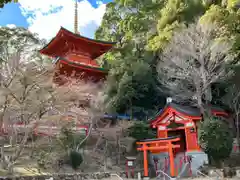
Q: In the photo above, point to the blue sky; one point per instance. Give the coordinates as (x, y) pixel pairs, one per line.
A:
(46, 16)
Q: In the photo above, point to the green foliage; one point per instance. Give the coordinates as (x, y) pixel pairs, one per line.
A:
(75, 159)
(228, 23)
(216, 138)
(68, 139)
(174, 15)
(143, 26)
(42, 159)
(130, 83)
(69, 142)
(22, 41)
(141, 130)
(3, 2)
(233, 4)
(132, 77)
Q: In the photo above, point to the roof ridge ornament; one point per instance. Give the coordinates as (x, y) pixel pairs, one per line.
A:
(76, 18)
(169, 100)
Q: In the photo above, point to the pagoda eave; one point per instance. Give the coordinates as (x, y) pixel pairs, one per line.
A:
(65, 41)
(83, 66)
(70, 69)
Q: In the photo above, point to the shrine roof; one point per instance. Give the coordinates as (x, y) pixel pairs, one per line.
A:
(66, 41)
(188, 111)
(158, 139)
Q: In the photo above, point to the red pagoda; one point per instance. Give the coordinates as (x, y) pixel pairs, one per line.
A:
(76, 55)
(73, 53)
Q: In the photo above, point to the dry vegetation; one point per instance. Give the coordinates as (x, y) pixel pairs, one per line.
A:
(29, 97)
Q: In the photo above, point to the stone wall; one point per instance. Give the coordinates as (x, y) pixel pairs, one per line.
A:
(76, 176)
(65, 176)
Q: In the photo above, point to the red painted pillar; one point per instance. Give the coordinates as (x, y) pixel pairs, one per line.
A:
(145, 160)
(171, 157)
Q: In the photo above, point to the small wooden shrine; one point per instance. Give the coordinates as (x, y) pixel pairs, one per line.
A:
(182, 121)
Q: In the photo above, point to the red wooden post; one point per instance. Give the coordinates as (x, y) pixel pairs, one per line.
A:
(127, 169)
(145, 160)
(169, 146)
(132, 172)
(171, 159)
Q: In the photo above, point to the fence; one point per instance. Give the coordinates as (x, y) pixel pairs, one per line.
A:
(42, 129)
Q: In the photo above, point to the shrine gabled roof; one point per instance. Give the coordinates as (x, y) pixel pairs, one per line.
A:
(187, 111)
(66, 41)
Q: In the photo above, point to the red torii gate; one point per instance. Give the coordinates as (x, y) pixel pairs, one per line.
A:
(158, 144)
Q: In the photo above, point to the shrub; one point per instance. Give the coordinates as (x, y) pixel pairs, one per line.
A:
(141, 130)
(216, 138)
(69, 141)
(75, 159)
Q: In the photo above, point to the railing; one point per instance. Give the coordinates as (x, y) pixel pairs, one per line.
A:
(162, 174)
(199, 173)
(117, 176)
(183, 169)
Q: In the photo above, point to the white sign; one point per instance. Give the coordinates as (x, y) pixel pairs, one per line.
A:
(130, 163)
(189, 124)
(161, 127)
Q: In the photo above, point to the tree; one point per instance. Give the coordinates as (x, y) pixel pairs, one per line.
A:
(232, 99)
(131, 82)
(75, 103)
(2, 2)
(174, 15)
(141, 130)
(22, 41)
(132, 78)
(113, 141)
(25, 98)
(142, 26)
(192, 62)
(28, 97)
(227, 20)
(216, 138)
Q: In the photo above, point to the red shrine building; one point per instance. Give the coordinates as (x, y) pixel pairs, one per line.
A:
(179, 120)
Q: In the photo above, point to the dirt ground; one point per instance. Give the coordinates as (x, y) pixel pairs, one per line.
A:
(115, 178)
(201, 178)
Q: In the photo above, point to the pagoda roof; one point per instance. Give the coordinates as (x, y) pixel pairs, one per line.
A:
(82, 66)
(66, 42)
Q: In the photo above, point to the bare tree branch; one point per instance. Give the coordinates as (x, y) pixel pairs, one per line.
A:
(192, 62)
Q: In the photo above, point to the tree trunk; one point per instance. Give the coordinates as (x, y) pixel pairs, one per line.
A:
(199, 102)
(10, 168)
(237, 129)
(208, 94)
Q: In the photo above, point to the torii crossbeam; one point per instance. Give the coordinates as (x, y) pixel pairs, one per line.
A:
(157, 144)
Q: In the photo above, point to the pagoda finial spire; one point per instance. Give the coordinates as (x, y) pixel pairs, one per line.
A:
(76, 18)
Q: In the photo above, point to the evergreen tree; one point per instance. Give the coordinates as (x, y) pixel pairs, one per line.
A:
(216, 138)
